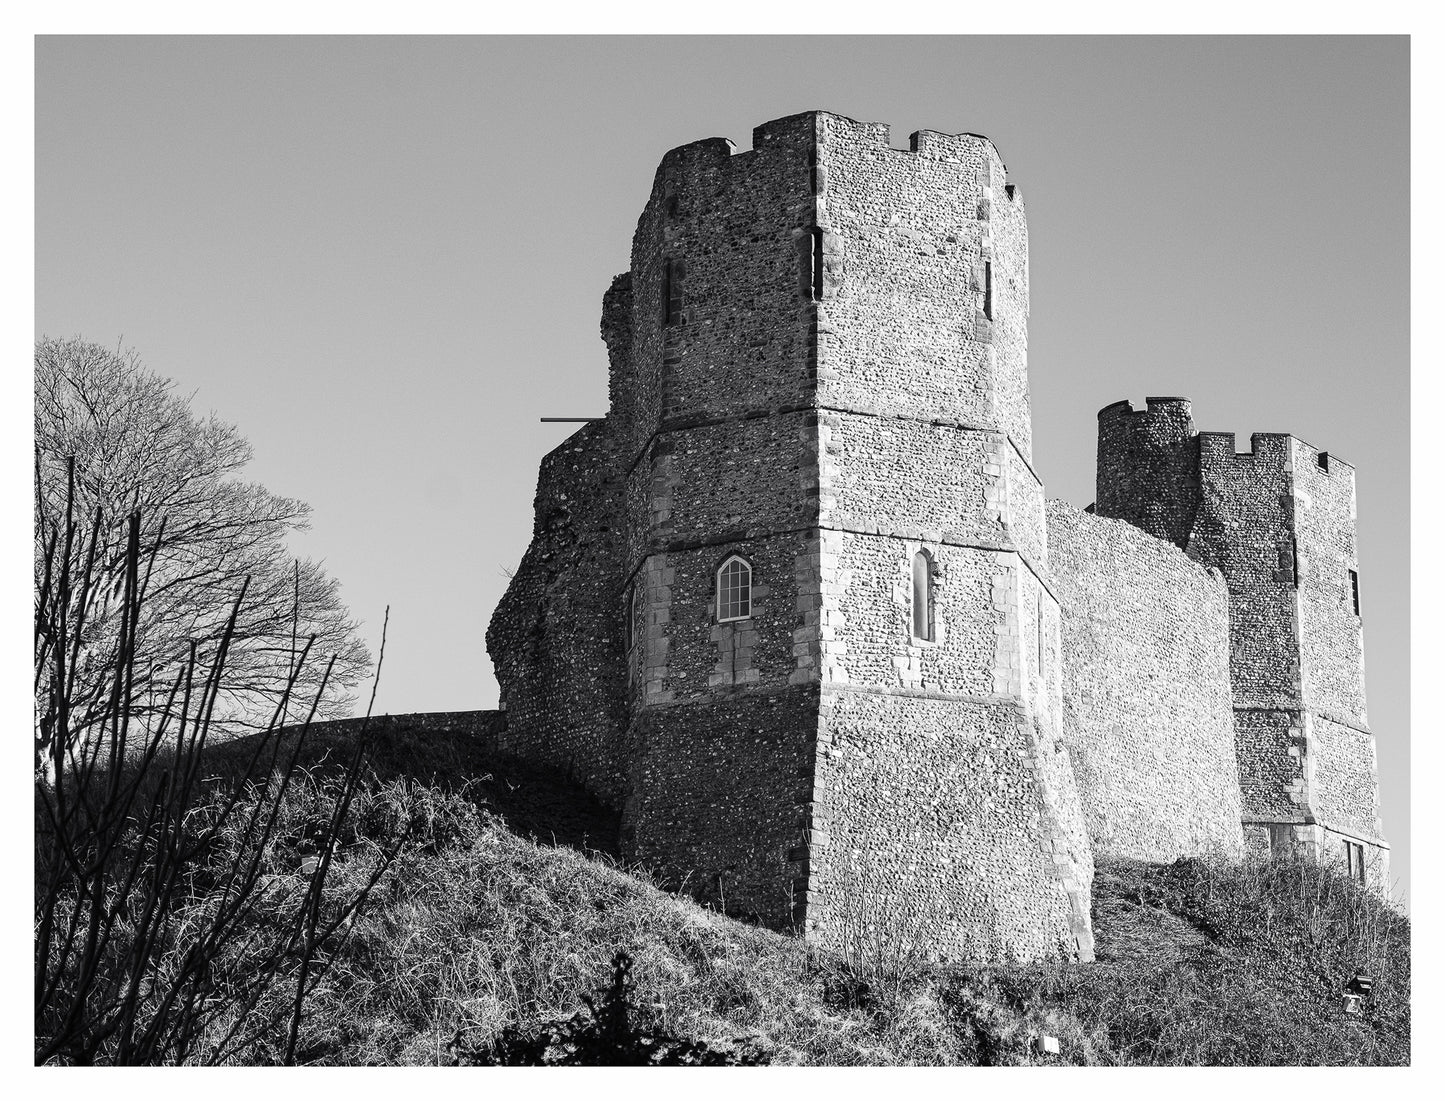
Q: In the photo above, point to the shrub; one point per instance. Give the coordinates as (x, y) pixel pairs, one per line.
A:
(1249, 967)
(613, 1030)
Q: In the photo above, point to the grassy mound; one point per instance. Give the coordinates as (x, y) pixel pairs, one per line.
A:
(484, 928)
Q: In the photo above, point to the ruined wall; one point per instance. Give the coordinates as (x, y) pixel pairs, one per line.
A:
(1147, 708)
(487, 727)
(554, 638)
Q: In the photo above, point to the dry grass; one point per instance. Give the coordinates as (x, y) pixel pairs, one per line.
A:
(475, 928)
(1206, 963)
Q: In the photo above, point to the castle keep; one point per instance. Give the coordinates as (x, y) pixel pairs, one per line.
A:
(797, 605)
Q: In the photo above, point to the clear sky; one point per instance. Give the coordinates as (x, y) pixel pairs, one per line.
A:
(383, 259)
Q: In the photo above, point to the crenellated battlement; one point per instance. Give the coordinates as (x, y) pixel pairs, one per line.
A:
(786, 129)
(753, 272)
(704, 150)
(871, 137)
(1278, 520)
(1272, 448)
(1171, 408)
(1277, 450)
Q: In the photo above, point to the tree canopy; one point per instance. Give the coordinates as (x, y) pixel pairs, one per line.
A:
(138, 448)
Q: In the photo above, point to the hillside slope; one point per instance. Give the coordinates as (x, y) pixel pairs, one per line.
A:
(483, 923)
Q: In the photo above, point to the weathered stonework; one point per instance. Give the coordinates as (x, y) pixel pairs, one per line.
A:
(1279, 522)
(1148, 712)
(818, 369)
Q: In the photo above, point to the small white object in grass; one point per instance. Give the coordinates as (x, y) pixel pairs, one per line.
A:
(309, 864)
(1048, 1045)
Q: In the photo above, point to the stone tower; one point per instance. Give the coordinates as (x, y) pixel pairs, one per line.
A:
(789, 607)
(1279, 522)
(819, 388)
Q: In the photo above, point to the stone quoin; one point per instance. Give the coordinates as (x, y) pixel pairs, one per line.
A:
(798, 608)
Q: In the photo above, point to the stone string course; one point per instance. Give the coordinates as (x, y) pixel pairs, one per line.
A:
(818, 363)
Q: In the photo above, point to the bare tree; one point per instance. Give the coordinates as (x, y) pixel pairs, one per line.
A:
(161, 924)
(112, 440)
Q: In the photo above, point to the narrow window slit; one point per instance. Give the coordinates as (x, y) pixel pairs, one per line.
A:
(672, 275)
(1039, 632)
(627, 617)
(1355, 860)
(923, 597)
(817, 264)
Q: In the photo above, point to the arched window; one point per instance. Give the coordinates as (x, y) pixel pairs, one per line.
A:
(734, 590)
(923, 596)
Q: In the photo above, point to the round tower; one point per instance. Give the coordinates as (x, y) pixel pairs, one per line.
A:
(1148, 467)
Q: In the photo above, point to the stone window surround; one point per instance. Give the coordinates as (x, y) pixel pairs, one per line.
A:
(746, 588)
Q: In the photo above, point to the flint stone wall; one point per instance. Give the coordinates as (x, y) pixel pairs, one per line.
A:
(931, 241)
(1147, 709)
(1279, 521)
(487, 726)
(1346, 794)
(1273, 751)
(555, 636)
(932, 823)
(719, 788)
(1331, 637)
